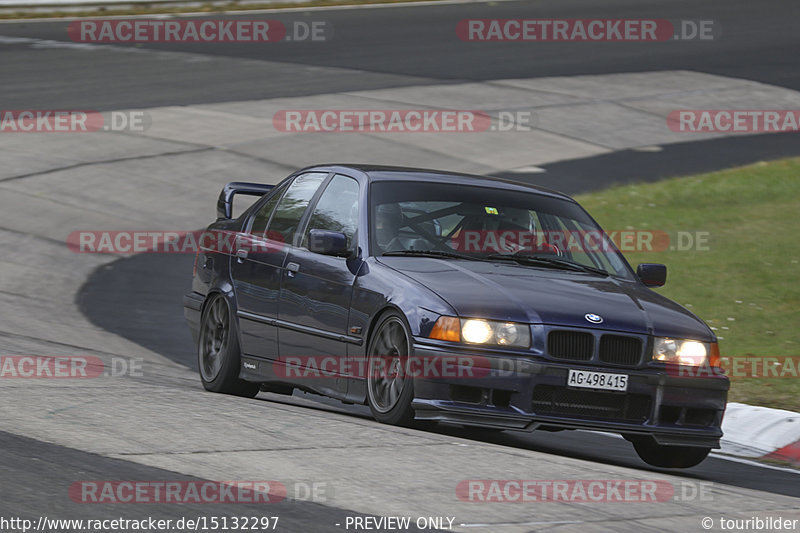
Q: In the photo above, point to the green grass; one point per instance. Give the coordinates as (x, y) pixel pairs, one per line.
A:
(747, 285)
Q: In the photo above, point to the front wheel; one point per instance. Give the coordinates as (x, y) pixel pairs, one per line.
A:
(389, 387)
(218, 351)
(669, 456)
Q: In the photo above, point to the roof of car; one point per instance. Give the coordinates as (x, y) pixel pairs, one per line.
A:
(391, 173)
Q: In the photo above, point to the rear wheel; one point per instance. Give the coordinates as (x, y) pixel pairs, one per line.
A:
(389, 387)
(668, 456)
(218, 354)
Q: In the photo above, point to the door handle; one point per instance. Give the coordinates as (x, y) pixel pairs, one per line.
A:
(241, 255)
(292, 269)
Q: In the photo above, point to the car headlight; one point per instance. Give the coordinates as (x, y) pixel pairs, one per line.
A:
(480, 331)
(476, 331)
(685, 352)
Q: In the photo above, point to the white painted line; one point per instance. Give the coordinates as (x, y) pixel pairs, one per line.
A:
(647, 149)
(719, 455)
(15, 40)
(526, 170)
(754, 431)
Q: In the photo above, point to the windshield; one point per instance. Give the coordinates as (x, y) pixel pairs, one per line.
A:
(488, 224)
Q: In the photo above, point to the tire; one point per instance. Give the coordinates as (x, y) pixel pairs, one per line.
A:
(390, 389)
(668, 456)
(218, 352)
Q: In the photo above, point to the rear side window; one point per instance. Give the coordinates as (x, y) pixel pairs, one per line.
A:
(261, 219)
(293, 204)
(337, 209)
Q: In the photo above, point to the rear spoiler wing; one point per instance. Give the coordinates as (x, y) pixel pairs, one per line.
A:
(225, 201)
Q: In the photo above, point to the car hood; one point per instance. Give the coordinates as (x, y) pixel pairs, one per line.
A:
(508, 291)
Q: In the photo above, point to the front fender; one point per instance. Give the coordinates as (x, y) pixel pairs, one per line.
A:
(384, 288)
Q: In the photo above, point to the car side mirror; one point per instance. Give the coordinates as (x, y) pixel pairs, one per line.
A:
(652, 274)
(327, 242)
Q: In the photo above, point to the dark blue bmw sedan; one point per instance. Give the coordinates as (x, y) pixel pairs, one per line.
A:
(440, 297)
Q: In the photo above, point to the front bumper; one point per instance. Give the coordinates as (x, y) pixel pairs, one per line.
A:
(525, 393)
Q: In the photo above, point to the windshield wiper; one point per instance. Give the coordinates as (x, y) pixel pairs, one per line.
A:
(549, 261)
(433, 253)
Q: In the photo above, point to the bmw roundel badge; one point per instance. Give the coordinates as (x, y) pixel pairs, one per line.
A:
(593, 318)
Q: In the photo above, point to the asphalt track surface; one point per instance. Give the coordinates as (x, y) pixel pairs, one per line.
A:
(41, 469)
(398, 46)
(376, 48)
(153, 317)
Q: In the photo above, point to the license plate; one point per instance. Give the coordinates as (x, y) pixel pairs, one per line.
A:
(597, 380)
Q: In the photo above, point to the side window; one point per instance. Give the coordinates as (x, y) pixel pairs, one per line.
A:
(261, 218)
(337, 209)
(293, 204)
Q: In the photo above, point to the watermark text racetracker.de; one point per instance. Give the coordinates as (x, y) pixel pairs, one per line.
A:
(203, 492)
(72, 121)
(466, 241)
(436, 367)
(734, 120)
(144, 30)
(579, 241)
(587, 30)
(175, 242)
(400, 121)
(67, 367)
(747, 366)
(462, 367)
(581, 491)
